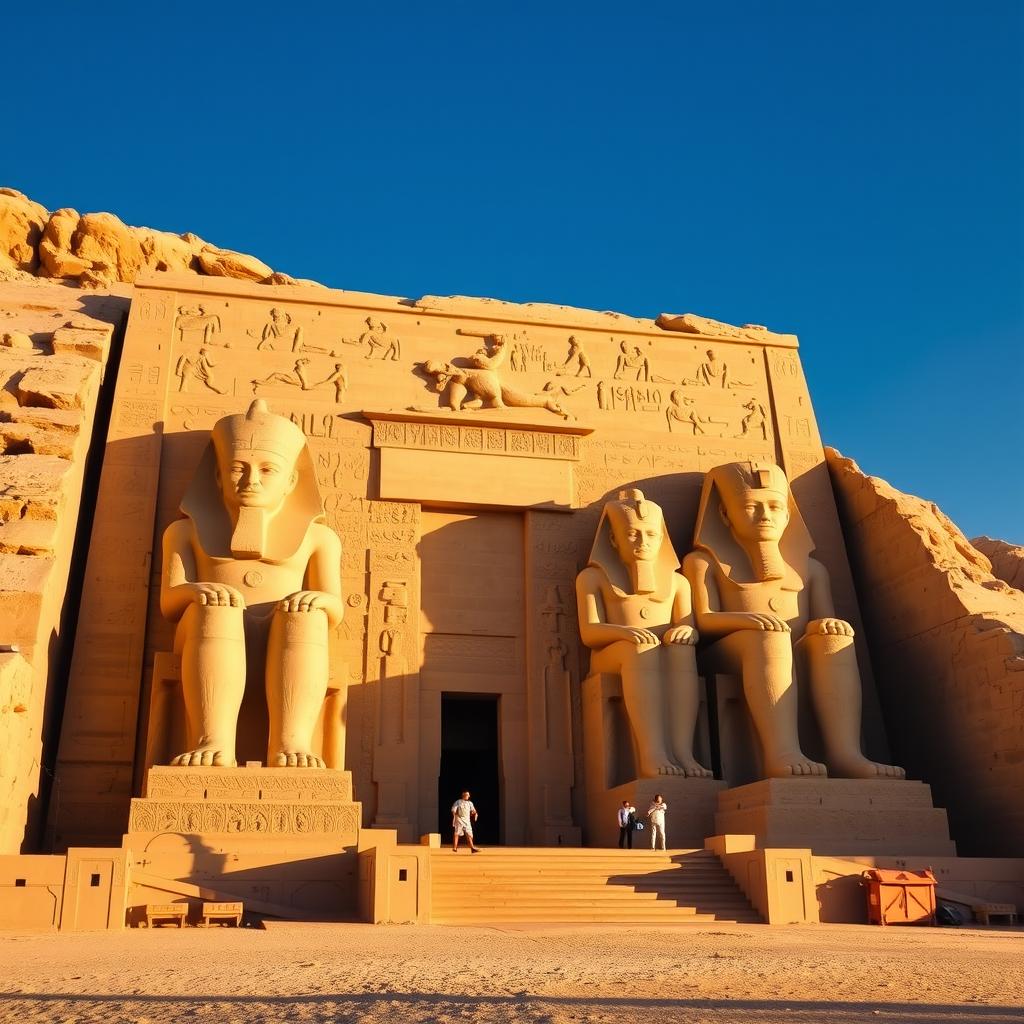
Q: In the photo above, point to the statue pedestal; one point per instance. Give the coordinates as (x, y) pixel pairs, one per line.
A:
(837, 816)
(610, 767)
(281, 836)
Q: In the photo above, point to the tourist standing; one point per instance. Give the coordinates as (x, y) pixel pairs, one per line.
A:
(463, 816)
(627, 822)
(656, 817)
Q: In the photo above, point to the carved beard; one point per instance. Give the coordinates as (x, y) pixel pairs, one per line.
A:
(249, 538)
(766, 560)
(643, 576)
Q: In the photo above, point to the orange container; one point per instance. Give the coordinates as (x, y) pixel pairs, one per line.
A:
(900, 897)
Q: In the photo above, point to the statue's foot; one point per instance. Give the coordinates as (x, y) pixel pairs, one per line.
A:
(694, 770)
(659, 766)
(296, 759)
(796, 763)
(209, 755)
(861, 767)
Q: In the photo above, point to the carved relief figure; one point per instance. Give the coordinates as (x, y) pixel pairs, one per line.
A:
(632, 358)
(192, 320)
(479, 386)
(299, 377)
(377, 338)
(252, 577)
(768, 606)
(714, 373)
(635, 616)
(578, 358)
(681, 411)
(200, 368)
(278, 323)
(756, 420)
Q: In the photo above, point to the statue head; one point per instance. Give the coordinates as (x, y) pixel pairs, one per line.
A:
(632, 545)
(255, 471)
(747, 512)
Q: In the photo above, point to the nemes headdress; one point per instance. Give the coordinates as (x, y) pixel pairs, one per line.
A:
(632, 508)
(714, 536)
(257, 534)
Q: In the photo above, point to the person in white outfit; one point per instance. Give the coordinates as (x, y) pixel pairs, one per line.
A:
(656, 817)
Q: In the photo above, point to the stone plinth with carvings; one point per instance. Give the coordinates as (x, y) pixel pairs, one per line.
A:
(268, 802)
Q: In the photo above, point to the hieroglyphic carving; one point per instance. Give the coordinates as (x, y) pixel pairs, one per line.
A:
(300, 378)
(194, 324)
(136, 415)
(377, 339)
(243, 817)
(246, 784)
(632, 360)
(681, 411)
(756, 420)
(576, 357)
(457, 437)
(628, 397)
(278, 328)
(715, 373)
(199, 367)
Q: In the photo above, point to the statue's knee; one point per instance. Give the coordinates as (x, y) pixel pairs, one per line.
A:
(212, 622)
(308, 627)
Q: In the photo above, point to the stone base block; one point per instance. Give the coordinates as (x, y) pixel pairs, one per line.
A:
(256, 801)
(837, 817)
(689, 820)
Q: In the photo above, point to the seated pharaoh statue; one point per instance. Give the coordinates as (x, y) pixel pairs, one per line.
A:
(766, 608)
(636, 617)
(252, 577)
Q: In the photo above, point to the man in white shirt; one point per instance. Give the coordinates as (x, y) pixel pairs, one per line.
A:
(627, 820)
(463, 816)
(656, 816)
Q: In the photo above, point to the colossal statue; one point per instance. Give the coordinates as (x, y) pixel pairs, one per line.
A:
(635, 615)
(767, 607)
(252, 574)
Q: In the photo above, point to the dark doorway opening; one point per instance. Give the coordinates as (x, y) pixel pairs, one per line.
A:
(469, 760)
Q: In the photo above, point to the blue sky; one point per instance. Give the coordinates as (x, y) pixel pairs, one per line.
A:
(850, 172)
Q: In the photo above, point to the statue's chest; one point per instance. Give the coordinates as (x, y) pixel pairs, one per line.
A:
(257, 580)
(641, 609)
(784, 598)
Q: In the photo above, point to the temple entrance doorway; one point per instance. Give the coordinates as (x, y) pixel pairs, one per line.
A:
(473, 716)
(469, 760)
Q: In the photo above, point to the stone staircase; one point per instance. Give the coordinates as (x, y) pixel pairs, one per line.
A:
(543, 884)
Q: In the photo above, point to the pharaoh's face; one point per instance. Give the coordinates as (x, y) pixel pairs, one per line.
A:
(755, 514)
(635, 539)
(255, 479)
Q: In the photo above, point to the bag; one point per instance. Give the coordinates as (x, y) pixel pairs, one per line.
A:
(639, 826)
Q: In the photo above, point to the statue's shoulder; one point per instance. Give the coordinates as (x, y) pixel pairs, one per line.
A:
(181, 531)
(592, 577)
(697, 560)
(320, 535)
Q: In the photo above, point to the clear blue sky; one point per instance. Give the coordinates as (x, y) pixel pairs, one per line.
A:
(848, 171)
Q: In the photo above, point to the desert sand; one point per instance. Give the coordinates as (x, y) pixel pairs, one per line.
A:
(348, 972)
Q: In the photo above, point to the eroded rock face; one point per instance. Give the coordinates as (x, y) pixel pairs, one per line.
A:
(1007, 559)
(95, 250)
(947, 643)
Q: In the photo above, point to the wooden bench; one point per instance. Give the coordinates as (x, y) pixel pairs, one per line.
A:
(226, 912)
(984, 912)
(166, 912)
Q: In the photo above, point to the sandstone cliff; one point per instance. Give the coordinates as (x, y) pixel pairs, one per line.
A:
(947, 641)
(94, 250)
(1007, 559)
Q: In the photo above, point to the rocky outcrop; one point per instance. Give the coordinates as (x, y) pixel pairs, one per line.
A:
(51, 367)
(1007, 559)
(95, 250)
(947, 645)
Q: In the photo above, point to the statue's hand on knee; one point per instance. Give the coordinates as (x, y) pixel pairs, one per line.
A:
(680, 635)
(216, 595)
(828, 627)
(305, 601)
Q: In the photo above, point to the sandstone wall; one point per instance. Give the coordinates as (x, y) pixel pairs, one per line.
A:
(947, 641)
(54, 345)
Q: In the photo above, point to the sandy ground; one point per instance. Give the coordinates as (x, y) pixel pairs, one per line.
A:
(558, 974)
